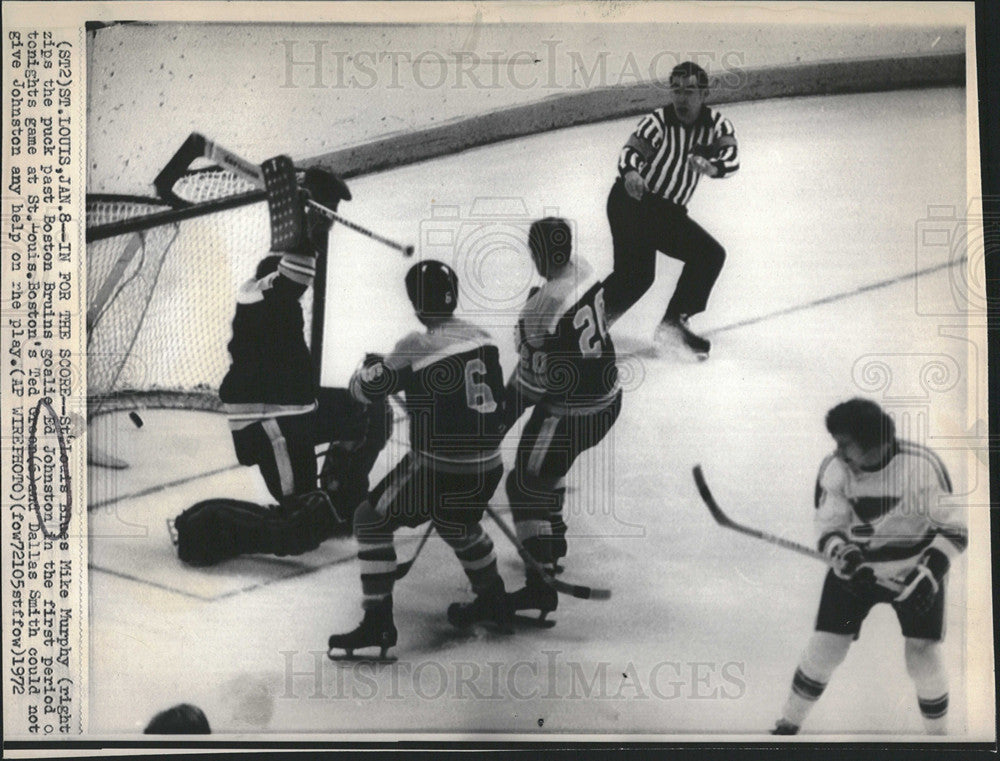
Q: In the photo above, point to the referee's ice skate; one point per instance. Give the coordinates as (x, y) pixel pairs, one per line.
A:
(675, 332)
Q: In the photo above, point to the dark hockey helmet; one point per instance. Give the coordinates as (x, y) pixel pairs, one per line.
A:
(551, 244)
(433, 289)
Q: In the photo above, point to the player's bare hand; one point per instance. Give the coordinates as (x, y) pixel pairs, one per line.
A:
(634, 185)
(702, 165)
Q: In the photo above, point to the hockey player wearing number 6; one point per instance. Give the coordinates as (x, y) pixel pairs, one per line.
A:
(882, 510)
(567, 372)
(452, 382)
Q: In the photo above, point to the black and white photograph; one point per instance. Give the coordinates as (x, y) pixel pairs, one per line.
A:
(528, 372)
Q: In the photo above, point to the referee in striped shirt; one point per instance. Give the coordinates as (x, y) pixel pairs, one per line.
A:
(659, 169)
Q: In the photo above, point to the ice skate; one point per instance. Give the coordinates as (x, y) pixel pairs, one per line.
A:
(536, 594)
(375, 630)
(489, 606)
(783, 727)
(675, 331)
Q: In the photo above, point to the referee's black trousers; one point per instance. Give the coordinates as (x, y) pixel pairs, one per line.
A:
(641, 228)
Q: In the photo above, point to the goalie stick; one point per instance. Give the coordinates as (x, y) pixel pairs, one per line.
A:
(574, 590)
(198, 146)
(726, 522)
(276, 176)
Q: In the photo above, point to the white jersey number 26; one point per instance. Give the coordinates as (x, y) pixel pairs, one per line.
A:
(592, 326)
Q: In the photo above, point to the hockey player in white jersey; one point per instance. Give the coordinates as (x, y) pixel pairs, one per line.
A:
(882, 511)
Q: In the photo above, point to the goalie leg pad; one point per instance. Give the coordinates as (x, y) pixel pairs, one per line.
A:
(219, 529)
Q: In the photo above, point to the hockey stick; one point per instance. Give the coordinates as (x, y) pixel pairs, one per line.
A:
(100, 301)
(171, 216)
(334, 216)
(574, 590)
(725, 521)
(404, 568)
(198, 146)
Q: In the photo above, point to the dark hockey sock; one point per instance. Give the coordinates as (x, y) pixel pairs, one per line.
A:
(474, 551)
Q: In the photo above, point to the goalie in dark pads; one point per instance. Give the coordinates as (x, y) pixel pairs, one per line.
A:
(453, 385)
(278, 416)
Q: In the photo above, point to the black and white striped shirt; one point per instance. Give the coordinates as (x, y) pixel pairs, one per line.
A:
(661, 145)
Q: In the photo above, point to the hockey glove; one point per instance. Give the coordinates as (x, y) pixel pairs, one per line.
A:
(325, 188)
(923, 583)
(374, 379)
(846, 559)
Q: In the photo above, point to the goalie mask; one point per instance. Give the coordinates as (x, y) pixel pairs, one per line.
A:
(551, 245)
(433, 289)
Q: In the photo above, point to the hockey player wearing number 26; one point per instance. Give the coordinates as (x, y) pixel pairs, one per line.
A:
(882, 510)
(567, 372)
(452, 382)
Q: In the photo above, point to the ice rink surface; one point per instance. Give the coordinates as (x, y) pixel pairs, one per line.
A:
(827, 293)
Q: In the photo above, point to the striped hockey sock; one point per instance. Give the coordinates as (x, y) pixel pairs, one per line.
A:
(378, 571)
(935, 713)
(803, 696)
(474, 551)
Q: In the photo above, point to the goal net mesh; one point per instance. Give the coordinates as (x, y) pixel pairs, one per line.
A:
(161, 301)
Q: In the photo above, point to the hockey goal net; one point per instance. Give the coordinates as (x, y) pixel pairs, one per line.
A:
(161, 299)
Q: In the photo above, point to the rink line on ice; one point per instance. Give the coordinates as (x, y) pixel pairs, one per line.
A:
(299, 571)
(732, 326)
(305, 570)
(177, 482)
(302, 571)
(837, 296)
(161, 487)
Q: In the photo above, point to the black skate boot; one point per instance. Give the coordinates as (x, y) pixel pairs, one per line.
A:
(376, 630)
(784, 727)
(679, 326)
(536, 594)
(491, 605)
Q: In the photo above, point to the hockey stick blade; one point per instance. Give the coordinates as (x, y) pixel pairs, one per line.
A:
(724, 520)
(579, 591)
(198, 146)
(713, 507)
